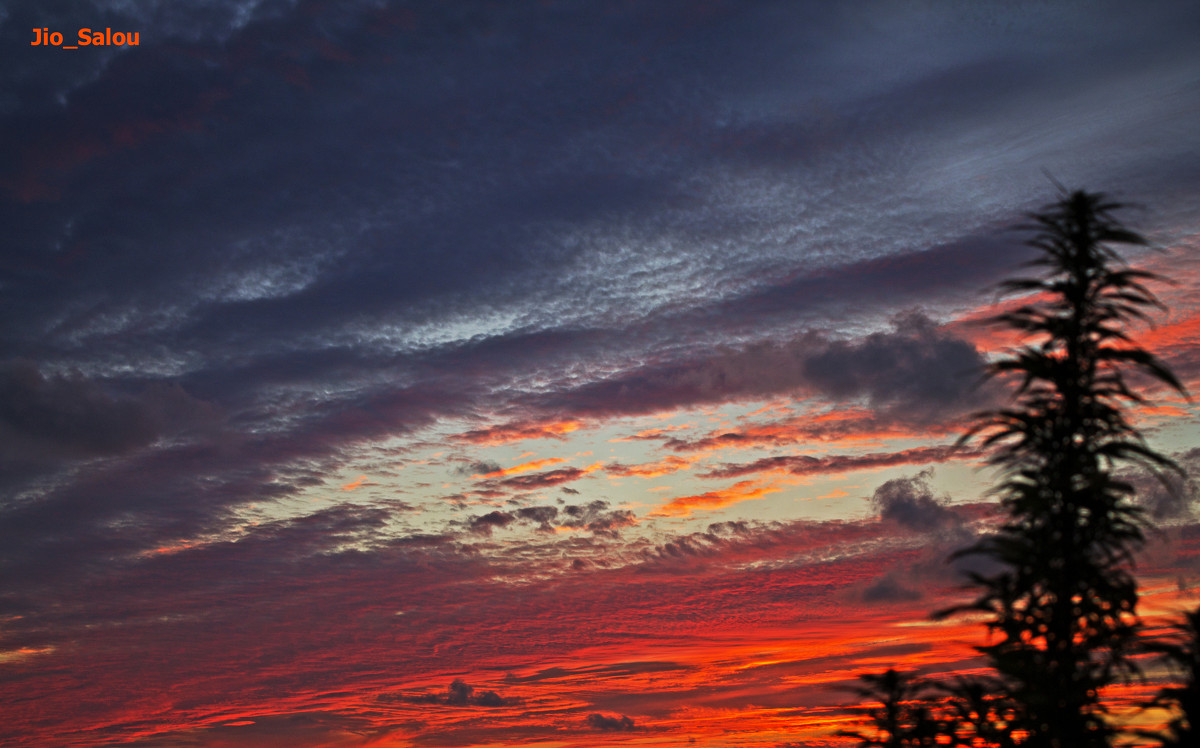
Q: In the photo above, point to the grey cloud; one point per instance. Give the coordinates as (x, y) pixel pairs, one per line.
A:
(889, 588)
(910, 503)
(598, 518)
(809, 465)
(485, 523)
(917, 372)
(478, 468)
(595, 517)
(71, 416)
(608, 723)
(459, 693)
(542, 516)
(1169, 496)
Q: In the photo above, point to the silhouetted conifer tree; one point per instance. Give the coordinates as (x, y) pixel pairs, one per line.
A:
(1063, 604)
(904, 717)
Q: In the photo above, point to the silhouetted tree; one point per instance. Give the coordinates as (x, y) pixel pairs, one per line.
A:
(978, 714)
(1063, 604)
(904, 717)
(1182, 655)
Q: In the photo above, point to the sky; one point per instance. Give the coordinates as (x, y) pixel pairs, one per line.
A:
(556, 374)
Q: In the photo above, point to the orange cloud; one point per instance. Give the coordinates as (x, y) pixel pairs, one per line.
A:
(654, 433)
(1183, 332)
(515, 432)
(741, 491)
(524, 467)
(844, 426)
(666, 466)
(357, 483)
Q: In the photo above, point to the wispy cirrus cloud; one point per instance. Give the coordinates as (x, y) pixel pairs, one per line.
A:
(811, 465)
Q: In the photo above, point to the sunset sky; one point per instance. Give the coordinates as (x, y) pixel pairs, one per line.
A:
(545, 374)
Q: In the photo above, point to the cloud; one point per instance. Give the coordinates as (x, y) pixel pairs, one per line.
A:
(598, 518)
(910, 503)
(746, 490)
(498, 220)
(520, 431)
(69, 415)
(459, 693)
(548, 478)
(595, 517)
(522, 468)
(844, 423)
(607, 723)
(917, 372)
(484, 524)
(478, 468)
(1169, 497)
(808, 465)
(358, 483)
(542, 516)
(889, 588)
(664, 466)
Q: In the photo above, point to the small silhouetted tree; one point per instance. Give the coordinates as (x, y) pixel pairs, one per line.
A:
(1063, 603)
(904, 717)
(1182, 656)
(978, 714)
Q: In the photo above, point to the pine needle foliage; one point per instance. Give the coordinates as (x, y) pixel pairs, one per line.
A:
(1063, 603)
